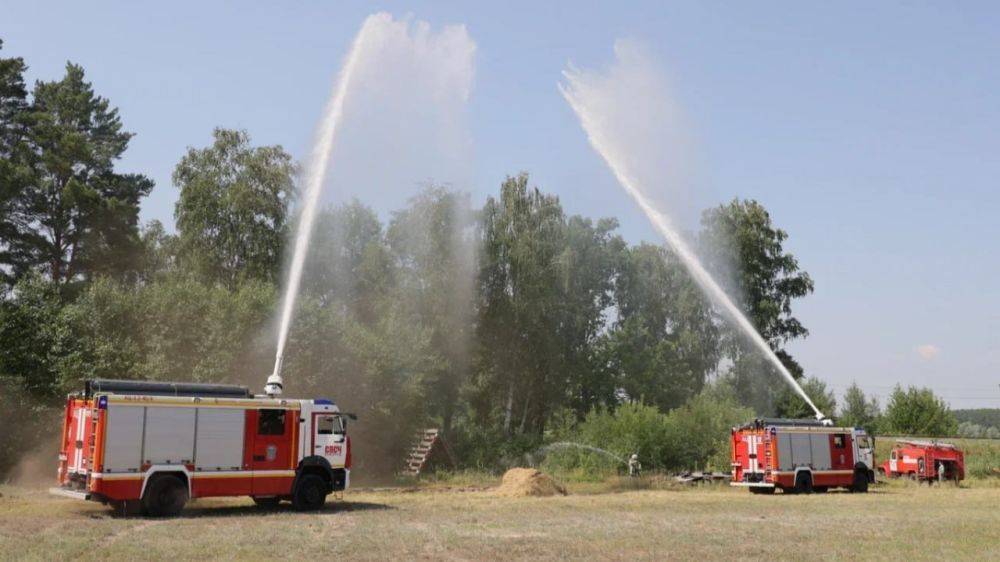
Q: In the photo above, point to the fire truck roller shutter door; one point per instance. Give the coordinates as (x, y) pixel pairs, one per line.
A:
(820, 451)
(169, 435)
(785, 451)
(801, 449)
(123, 439)
(219, 444)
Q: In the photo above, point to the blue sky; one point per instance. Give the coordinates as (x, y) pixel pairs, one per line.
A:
(872, 134)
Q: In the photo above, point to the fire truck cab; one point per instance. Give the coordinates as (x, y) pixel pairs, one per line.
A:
(152, 446)
(801, 456)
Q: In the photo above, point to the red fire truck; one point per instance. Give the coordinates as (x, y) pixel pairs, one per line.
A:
(801, 456)
(151, 446)
(925, 461)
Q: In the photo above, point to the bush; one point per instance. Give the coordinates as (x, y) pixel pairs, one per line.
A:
(701, 431)
(486, 449)
(605, 439)
(693, 436)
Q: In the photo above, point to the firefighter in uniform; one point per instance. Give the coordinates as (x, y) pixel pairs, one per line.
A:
(634, 467)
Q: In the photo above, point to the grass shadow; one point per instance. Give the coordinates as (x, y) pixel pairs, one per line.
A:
(195, 511)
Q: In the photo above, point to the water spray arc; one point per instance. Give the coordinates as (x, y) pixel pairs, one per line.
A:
(316, 172)
(576, 91)
(394, 69)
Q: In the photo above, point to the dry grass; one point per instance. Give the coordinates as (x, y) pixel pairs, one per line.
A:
(898, 521)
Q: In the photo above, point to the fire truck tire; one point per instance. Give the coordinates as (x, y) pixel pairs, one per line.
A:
(762, 491)
(165, 496)
(267, 502)
(803, 483)
(860, 484)
(310, 493)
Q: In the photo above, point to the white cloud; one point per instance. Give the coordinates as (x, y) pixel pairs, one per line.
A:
(928, 351)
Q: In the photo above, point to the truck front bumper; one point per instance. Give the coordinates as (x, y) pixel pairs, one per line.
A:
(752, 484)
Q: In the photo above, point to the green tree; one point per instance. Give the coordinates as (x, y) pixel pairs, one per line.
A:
(77, 217)
(918, 412)
(587, 267)
(523, 235)
(665, 339)
(858, 410)
(32, 335)
(175, 329)
(791, 405)
(745, 251)
(349, 265)
(231, 214)
(15, 170)
(159, 252)
(433, 244)
(544, 284)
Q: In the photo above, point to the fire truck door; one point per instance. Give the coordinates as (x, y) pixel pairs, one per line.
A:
(271, 450)
(74, 439)
(841, 451)
(893, 463)
(328, 438)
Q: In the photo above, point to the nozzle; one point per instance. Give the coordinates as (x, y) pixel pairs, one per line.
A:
(274, 384)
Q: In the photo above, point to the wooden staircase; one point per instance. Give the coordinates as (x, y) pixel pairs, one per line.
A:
(428, 442)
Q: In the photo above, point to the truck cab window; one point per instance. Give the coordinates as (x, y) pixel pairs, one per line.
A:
(328, 425)
(863, 443)
(838, 441)
(271, 422)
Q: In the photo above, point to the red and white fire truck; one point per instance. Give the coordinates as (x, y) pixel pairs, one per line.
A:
(801, 456)
(925, 461)
(151, 446)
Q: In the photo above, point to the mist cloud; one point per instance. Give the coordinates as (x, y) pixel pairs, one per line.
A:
(405, 119)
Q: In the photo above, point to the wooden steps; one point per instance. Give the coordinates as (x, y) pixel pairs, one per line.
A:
(427, 444)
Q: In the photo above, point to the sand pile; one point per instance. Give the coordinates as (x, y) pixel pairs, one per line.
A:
(520, 482)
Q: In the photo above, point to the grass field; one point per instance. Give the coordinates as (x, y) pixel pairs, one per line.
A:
(901, 521)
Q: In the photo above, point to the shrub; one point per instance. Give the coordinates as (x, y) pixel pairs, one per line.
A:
(693, 436)
(700, 430)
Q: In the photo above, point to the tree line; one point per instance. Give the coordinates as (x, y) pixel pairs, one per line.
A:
(503, 324)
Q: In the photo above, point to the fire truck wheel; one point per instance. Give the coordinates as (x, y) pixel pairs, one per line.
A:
(764, 491)
(165, 496)
(860, 484)
(803, 483)
(310, 494)
(267, 503)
